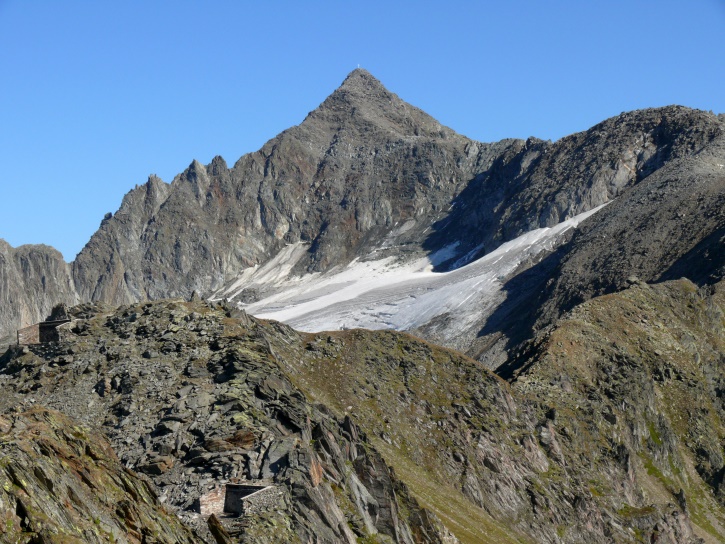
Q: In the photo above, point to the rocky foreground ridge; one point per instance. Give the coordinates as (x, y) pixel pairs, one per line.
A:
(611, 431)
(59, 483)
(195, 399)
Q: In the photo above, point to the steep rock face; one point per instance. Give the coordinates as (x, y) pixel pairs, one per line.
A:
(102, 269)
(366, 175)
(538, 184)
(361, 164)
(58, 483)
(33, 278)
(653, 233)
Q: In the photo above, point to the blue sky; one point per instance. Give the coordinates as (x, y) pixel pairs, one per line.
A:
(96, 96)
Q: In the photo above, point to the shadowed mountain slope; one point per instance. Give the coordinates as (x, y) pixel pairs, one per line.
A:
(539, 184)
(670, 225)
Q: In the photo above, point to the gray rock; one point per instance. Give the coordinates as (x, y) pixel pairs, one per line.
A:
(34, 279)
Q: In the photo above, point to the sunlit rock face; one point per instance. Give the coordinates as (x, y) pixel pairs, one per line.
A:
(33, 279)
(368, 178)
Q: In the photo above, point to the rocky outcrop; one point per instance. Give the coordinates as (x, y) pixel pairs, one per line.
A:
(611, 431)
(33, 279)
(195, 399)
(360, 165)
(60, 483)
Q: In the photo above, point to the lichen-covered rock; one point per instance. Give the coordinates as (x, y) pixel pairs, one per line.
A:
(60, 483)
(214, 407)
(611, 431)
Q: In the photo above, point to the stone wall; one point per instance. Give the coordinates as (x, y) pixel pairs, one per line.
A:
(44, 332)
(241, 500)
(212, 502)
(29, 335)
(236, 493)
(264, 500)
(49, 330)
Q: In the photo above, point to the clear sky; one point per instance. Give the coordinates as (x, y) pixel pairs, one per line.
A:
(97, 95)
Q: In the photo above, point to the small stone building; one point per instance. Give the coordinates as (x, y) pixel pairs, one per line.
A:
(45, 331)
(240, 499)
(41, 333)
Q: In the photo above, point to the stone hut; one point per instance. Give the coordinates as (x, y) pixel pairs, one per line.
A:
(45, 331)
(240, 499)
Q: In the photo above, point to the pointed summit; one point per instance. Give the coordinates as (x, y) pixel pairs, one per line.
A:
(361, 80)
(361, 89)
(363, 101)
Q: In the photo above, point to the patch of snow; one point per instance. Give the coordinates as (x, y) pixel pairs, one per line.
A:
(385, 294)
(271, 273)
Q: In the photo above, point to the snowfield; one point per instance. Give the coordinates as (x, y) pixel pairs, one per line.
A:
(384, 294)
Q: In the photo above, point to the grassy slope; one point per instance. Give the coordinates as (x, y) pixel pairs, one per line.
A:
(406, 394)
(639, 357)
(648, 358)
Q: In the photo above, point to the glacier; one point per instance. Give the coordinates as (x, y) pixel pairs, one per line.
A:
(388, 294)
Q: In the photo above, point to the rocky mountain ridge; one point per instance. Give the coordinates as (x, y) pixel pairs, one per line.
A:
(670, 225)
(604, 419)
(361, 162)
(364, 176)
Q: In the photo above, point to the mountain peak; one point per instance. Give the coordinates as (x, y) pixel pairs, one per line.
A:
(360, 79)
(361, 88)
(362, 100)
